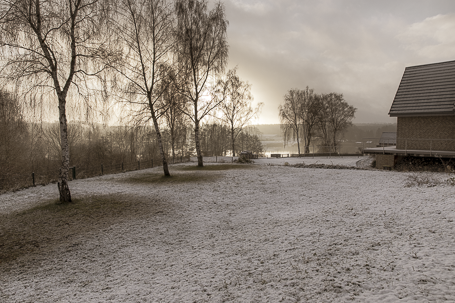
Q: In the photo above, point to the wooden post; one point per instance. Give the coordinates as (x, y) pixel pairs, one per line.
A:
(33, 179)
(122, 166)
(138, 164)
(102, 170)
(73, 169)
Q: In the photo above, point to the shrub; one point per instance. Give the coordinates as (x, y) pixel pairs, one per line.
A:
(417, 179)
(373, 164)
(451, 181)
(243, 160)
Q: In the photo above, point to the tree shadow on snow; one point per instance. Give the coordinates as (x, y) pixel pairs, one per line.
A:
(176, 177)
(50, 224)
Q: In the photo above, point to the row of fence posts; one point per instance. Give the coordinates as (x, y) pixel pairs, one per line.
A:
(216, 159)
(73, 171)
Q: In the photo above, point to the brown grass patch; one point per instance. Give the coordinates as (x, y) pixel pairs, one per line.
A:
(50, 224)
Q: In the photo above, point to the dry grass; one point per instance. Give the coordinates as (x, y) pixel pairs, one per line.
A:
(183, 174)
(217, 167)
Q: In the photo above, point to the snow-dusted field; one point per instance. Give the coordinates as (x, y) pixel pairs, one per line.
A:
(263, 233)
(347, 161)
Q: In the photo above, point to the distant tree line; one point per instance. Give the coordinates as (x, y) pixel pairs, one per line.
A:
(27, 147)
(307, 117)
(162, 62)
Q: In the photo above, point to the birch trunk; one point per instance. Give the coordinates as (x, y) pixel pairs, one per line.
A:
(200, 162)
(298, 140)
(65, 194)
(334, 141)
(173, 146)
(233, 142)
(160, 144)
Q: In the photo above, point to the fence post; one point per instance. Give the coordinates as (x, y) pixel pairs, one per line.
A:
(74, 172)
(33, 179)
(216, 159)
(102, 170)
(122, 166)
(138, 164)
(152, 163)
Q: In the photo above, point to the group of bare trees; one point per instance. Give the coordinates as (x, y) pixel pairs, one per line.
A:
(306, 116)
(161, 59)
(216, 140)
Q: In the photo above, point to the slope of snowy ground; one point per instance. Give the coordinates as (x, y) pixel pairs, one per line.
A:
(263, 233)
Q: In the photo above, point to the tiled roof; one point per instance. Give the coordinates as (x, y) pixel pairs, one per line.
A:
(426, 90)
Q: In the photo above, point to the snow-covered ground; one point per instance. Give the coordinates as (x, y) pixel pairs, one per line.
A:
(266, 233)
(347, 161)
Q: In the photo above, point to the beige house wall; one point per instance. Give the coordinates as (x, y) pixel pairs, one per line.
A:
(426, 133)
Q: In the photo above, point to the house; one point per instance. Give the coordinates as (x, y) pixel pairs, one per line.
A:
(425, 109)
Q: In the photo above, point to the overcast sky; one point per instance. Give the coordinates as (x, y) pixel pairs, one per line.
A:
(355, 47)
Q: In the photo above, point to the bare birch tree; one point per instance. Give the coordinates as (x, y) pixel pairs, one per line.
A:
(52, 46)
(237, 109)
(145, 30)
(175, 120)
(290, 117)
(202, 52)
(51, 135)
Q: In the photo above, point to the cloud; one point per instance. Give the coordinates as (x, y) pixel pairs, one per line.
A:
(431, 38)
(253, 6)
(355, 47)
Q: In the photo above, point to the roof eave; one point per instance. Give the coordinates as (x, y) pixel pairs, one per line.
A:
(422, 114)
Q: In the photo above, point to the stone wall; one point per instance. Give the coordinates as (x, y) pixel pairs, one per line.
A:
(385, 160)
(426, 133)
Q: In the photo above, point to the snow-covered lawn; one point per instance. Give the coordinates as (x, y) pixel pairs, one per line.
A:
(262, 233)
